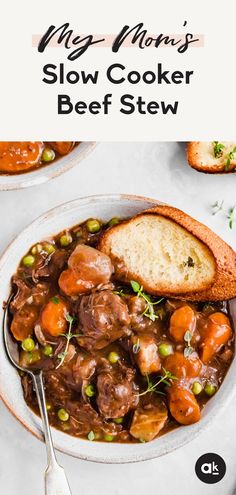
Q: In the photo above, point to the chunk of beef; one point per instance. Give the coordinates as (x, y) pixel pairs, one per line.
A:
(83, 368)
(26, 294)
(103, 318)
(117, 393)
(83, 419)
(62, 147)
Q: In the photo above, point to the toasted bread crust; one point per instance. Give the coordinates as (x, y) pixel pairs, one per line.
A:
(195, 161)
(224, 284)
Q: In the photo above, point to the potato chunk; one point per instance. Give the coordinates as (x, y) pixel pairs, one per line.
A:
(148, 420)
(147, 357)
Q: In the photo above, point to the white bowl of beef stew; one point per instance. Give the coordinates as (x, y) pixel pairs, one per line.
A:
(39, 170)
(48, 225)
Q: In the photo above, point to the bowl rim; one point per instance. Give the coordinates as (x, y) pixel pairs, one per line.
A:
(11, 182)
(141, 455)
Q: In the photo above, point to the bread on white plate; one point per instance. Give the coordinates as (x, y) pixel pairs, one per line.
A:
(212, 157)
(172, 255)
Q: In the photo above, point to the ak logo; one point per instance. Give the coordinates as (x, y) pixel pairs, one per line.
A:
(210, 468)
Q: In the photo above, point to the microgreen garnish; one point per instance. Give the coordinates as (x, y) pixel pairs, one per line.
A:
(149, 308)
(189, 262)
(167, 379)
(120, 293)
(69, 335)
(218, 149)
(230, 157)
(188, 349)
(55, 299)
(230, 214)
(91, 436)
(136, 347)
(216, 207)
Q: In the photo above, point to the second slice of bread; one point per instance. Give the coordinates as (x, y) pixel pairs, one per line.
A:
(172, 255)
(201, 156)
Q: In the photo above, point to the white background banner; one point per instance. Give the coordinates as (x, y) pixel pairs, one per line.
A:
(202, 98)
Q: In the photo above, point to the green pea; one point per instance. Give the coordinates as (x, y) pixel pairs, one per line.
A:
(48, 350)
(118, 421)
(113, 221)
(48, 155)
(108, 438)
(63, 415)
(90, 390)
(165, 350)
(37, 249)
(28, 260)
(49, 248)
(65, 240)
(197, 388)
(28, 344)
(93, 225)
(113, 357)
(48, 406)
(210, 389)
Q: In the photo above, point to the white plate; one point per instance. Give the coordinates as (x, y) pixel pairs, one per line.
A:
(43, 174)
(67, 215)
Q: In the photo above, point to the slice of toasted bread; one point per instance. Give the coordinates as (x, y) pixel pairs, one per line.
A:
(171, 254)
(212, 157)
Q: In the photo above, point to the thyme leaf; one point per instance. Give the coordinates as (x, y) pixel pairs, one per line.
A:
(218, 149)
(167, 379)
(149, 311)
(68, 336)
(136, 347)
(188, 348)
(230, 157)
(230, 214)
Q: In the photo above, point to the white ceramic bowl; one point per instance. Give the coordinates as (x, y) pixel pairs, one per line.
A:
(54, 221)
(43, 174)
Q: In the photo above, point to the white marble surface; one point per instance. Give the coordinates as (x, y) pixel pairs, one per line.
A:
(157, 170)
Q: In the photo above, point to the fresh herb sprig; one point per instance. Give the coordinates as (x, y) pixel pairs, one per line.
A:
(230, 214)
(218, 149)
(136, 347)
(167, 379)
(68, 336)
(149, 310)
(230, 157)
(188, 348)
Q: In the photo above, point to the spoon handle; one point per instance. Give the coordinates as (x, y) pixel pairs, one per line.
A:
(55, 478)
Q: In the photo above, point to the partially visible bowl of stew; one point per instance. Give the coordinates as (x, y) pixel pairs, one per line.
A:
(24, 163)
(128, 376)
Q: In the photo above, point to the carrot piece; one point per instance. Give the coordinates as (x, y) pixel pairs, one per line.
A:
(53, 317)
(183, 367)
(23, 323)
(183, 405)
(218, 332)
(182, 320)
(19, 156)
(72, 285)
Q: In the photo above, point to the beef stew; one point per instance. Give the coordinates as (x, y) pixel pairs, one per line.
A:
(21, 157)
(119, 364)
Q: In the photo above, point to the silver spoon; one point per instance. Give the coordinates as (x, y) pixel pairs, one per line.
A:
(55, 479)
